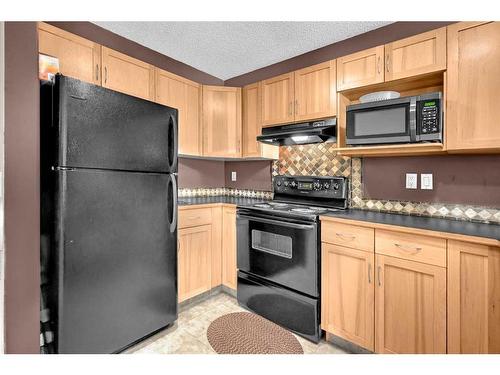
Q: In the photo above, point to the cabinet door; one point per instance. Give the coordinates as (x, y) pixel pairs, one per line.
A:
(194, 261)
(229, 271)
(473, 78)
(315, 92)
(183, 94)
(347, 297)
(216, 246)
(252, 120)
(419, 54)
(78, 57)
(221, 121)
(410, 307)
(126, 74)
(360, 69)
(277, 100)
(473, 298)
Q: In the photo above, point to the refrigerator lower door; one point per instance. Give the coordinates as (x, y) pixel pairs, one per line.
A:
(116, 244)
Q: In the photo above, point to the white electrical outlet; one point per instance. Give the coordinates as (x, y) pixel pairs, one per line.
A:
(411, 180)
(426, 181)
(233, 176)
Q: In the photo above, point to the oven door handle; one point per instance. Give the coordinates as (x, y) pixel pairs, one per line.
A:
(277, 222)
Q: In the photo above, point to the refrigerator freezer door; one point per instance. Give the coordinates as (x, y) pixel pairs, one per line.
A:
(100, 128)
(117, 258)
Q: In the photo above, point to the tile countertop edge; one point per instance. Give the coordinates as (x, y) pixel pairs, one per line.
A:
(452, 229)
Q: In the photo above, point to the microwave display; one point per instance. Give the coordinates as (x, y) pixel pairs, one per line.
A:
(385, 121)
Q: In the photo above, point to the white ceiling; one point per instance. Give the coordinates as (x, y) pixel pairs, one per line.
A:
(229, 49)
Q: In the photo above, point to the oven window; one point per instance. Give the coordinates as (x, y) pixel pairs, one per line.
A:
(272, 243)
(380, 122)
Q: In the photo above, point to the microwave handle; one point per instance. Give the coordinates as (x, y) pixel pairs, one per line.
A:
(413, 119)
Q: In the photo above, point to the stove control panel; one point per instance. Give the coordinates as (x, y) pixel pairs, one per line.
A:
(320, 187)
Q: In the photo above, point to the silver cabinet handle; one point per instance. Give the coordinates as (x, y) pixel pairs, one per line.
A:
(296, 106)
(387, 63)
(408, 248)
(379, 276)
(96, 72)
(378, 65)
(290, 108)
(369, 273)
(343, 235)
(105, 74)
(194, 217)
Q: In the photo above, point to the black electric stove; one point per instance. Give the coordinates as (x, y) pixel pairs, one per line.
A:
(278, 244)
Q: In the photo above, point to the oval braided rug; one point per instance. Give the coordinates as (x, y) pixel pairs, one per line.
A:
(247, 333)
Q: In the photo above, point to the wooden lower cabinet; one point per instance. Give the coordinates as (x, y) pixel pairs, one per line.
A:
(229, 267)
(410, 300)
(348, 294)
(473, 298)
(194, 261)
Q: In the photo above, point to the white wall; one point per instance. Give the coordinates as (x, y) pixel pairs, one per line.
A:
(2, 101)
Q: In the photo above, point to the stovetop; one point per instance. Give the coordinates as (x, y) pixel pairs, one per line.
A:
(280, 208)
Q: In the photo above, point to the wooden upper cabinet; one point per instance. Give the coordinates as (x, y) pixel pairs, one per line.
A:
(229, 266)
(347, 296)
(360, 69)
(473, 298)
(185, 95)
(410, 300)
(315, 92)
(252, 120)
(278, 100)
(126, 74)
(419, 54)
(221, 121)
(473, 84)
(78, 57)
(194, 261)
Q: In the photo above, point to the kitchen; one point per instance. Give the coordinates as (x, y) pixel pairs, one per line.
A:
(342, 200)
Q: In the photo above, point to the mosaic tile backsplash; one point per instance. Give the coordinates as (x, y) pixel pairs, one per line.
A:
(228, 192)
(322, 160)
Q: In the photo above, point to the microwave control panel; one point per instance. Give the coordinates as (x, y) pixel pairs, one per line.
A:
(429, 113)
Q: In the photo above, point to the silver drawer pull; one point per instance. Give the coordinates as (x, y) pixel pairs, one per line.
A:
(194, 217)
(407, 248)
(346, 236)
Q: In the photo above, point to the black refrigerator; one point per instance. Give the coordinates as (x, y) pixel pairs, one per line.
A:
(108, 218)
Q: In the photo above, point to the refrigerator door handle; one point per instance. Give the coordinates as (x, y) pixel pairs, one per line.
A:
(173, 123)
(173, 224)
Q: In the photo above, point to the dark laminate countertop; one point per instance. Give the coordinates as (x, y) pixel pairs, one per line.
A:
(429, 223)
(190, 201)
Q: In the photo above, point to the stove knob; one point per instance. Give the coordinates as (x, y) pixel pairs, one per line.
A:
(317, 185)
(326, 185)
(336, 186)
(293, 184)
(286, 183)
(278, 183)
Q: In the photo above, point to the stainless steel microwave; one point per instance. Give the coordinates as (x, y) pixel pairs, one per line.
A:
(409, 119)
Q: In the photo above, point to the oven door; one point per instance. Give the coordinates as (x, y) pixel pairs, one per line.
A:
(283, 251)
(392, 121)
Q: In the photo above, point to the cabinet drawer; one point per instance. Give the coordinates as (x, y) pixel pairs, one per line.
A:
(348, 235)
(195, 217)
(414, 247)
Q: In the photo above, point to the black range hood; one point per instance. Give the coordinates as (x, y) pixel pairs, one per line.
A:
(300, 134)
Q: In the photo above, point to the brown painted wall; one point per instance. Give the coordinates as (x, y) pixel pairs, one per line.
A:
(471, 179)
(249, 175)
(386, 34)
(109, 39)
(22, 192)
(196, 173)
(199, 173)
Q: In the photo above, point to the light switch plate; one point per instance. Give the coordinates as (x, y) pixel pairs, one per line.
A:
(233, 176)
(426, 181)
(411, 180)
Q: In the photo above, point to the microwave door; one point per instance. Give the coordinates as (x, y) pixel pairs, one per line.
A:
(381, 124)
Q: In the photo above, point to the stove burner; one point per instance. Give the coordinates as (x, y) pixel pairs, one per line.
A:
(278, 205)
(262, 205)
